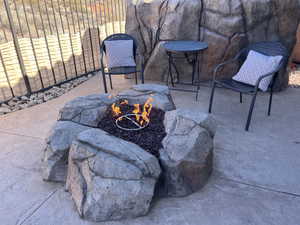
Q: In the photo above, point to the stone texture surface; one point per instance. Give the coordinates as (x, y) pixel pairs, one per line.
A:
(87, 110)
(110, 179)
(57, 150)
(187, 154)
(139, 94)
(226, 25)
(296, 51)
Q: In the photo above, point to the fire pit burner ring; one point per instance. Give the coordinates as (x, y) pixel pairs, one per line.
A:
(131, 117)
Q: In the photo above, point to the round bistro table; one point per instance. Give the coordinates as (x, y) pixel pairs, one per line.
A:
(191, 51)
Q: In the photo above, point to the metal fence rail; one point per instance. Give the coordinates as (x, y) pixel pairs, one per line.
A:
(46, 42)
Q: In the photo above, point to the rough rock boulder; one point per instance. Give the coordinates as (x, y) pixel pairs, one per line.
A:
(139, 94)
(87, 110)
(110, 179)
(187, 154)
(57, 150)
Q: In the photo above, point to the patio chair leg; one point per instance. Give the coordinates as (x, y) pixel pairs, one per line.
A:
(250, 112)
(198, 78)
(104, 82)
(136, 78)
(241, 97)
(270, 101)
(110, 81)
(142, 77)
(212, 96)
(142, 74)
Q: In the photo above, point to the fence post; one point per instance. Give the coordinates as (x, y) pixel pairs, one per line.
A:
(17, 46)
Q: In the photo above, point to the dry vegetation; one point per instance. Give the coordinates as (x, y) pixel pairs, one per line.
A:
(68, 14)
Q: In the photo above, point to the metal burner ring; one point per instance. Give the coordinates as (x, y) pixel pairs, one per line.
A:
(127, 116)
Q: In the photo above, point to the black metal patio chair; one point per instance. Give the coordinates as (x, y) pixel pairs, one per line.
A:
(265, 48)
(120, 70)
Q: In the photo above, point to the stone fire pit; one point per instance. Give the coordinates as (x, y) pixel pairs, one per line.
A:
(110, 178)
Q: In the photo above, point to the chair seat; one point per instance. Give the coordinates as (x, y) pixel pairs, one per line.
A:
(121, 70)
(236, 86)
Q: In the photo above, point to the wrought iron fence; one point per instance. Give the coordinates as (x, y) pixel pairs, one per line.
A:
(46, 42)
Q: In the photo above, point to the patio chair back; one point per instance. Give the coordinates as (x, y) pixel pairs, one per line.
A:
(118, 37)
(266, 48)
(270, 48)
(120, 70)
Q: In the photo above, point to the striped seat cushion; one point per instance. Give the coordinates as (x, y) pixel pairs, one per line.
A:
(255, 66)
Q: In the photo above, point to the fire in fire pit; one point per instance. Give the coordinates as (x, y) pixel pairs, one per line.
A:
(138, 119)
(140, 124)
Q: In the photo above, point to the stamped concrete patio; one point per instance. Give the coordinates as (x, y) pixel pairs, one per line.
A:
(256, 178)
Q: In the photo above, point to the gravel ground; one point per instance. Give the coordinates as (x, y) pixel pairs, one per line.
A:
(22, 102)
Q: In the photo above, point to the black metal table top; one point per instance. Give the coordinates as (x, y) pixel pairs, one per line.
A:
(185, 46)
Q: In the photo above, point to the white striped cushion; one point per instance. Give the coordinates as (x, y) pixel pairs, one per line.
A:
(255, 66)
(119, 53)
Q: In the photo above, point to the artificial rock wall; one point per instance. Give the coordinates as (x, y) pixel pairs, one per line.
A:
(226, 25)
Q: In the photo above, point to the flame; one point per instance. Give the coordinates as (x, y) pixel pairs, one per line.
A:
(144, 116)
(141, 116)
(116, 109)
(137, 112)
(147, 110)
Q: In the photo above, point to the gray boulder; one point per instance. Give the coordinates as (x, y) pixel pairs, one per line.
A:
(187, 154)
(226, 25)
(55, 158)
(88, 110)
(110, 179)
(139, 94)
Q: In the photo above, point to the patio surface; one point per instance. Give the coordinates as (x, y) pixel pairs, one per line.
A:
(256, 178)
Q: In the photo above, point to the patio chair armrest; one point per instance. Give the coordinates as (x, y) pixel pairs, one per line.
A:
(236, 58)
(262, 77)
(218, 67)
(269, 74)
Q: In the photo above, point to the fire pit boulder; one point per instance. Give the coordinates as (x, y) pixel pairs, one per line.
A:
(110, 178)
(76, 116)
(56, 153)
(187, 154)
(160, 94)
(87, 110)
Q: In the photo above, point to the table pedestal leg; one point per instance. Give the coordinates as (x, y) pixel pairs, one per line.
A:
(195, 66)
(170, 70)
(198, 72)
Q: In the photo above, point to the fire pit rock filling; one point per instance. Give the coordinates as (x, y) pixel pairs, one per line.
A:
(114, 173)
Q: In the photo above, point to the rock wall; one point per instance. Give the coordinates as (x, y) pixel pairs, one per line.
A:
(296, 52)
(226, 25)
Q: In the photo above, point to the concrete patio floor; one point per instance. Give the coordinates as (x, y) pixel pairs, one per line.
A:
(256, 177)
